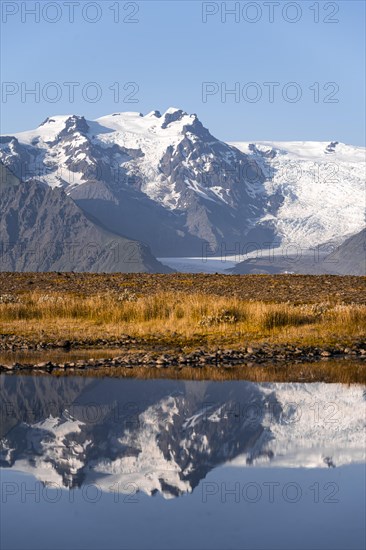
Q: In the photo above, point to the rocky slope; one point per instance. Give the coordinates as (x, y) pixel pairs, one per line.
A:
(347, 259)
(350, 257)
(42, 229)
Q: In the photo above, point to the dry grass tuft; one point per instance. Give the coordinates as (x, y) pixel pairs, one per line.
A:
(168, 314)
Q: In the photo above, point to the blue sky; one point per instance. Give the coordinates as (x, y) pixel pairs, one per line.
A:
(170, 52)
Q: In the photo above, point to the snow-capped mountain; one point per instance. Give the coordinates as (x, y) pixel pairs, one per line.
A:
(322, 186)
(152, 151)
(168, 441)
(166, 181)
(161, 179)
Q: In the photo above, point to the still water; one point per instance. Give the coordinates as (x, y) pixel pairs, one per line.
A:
(163, 464)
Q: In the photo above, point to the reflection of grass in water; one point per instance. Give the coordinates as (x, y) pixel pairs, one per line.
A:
(330, 371)
(175, 315)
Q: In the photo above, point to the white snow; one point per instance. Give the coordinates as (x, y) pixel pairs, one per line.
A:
(46, 132)
(325, 194)
(146, 470)
(320, 421)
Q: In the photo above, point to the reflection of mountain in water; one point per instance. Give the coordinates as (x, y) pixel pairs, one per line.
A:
(165, 435)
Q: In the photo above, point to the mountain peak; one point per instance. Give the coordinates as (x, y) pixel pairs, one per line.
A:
(55, 128)
(172, 115)
(76, 123)
(53, 120)
(173, 110)
(153, 114)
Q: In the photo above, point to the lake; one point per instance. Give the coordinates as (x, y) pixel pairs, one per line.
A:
(108, 463)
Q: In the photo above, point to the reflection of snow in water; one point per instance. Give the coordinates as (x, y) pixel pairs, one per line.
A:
(170, 443)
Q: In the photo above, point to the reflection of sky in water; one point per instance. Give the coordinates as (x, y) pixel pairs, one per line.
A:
(255, 465)
(198, 520)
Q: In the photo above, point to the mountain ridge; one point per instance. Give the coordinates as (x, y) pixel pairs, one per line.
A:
(164, 179)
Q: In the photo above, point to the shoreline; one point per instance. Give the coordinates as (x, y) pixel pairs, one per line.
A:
(163, 352)
(68, 322)
(289, 363)
(326, 370)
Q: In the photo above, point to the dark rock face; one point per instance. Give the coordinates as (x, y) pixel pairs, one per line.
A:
(172, 117)
(331, 147)
(42, 229)
(350, 257)
(7, 179)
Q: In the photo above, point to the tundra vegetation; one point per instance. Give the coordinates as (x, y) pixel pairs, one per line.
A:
(182, 313)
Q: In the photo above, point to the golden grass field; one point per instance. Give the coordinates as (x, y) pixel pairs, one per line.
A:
(194, 317)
